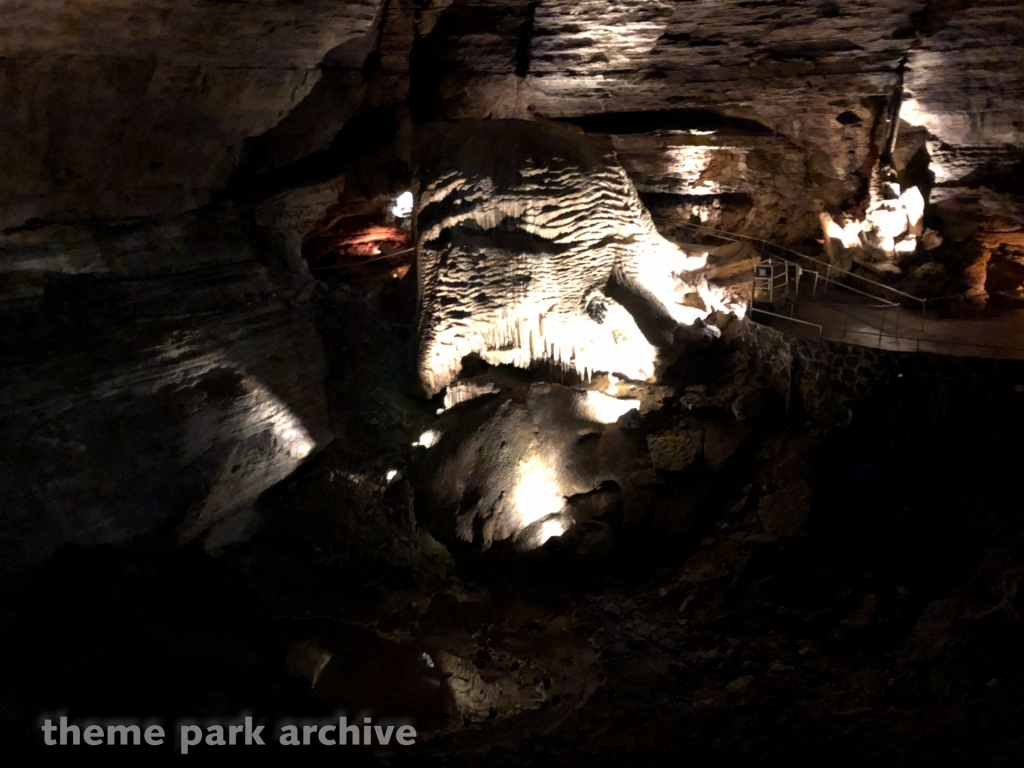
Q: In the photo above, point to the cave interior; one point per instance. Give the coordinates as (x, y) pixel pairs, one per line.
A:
(580, 383)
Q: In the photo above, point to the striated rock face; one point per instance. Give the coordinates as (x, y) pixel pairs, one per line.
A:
(154, 398)
(129, 107)
(788, 88)
(965, 85)
(146, 107)
(735, 166)
(706, 99)
(532, 246)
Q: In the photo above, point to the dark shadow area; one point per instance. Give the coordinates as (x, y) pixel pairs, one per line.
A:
(668, 120)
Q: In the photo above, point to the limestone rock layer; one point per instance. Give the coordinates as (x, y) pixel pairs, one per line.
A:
(135, 107)
(136, 403)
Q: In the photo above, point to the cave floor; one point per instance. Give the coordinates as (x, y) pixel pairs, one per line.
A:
(883, 628)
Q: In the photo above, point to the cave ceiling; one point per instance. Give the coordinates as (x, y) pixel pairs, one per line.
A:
(121, 109)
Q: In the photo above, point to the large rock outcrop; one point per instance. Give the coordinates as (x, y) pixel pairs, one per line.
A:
(965, 85)
(146, 398)
(533, 246)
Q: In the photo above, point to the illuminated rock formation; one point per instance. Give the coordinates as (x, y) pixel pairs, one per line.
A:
(892, 229)
(531, 244)
(508, 467)
(152, 400)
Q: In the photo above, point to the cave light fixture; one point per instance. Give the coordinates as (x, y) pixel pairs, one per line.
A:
(549, 529)
(428, 439)
(403, 205)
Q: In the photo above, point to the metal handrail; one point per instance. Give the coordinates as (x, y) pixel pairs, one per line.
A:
(381, 257)
(786, 317)
(849, 304)
(736, 237)
(875, 324)
(829, 279)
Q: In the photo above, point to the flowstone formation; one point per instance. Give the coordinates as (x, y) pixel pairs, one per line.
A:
(534, 246)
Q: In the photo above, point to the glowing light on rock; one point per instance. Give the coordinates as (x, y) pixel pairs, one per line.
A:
(549, 529)
(402, 209)
(537, 493)
(391, 475)
(889, 231)
(428, 439)
(603, 409)
(292, 436)
(271, 443)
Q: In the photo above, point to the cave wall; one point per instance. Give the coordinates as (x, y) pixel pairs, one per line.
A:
(161, 368)
(783, 100)
(142, 107)
(965, 85)
(147, 108)
(162, 162)
(141, 402)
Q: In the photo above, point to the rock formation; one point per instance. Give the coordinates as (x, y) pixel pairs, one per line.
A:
(512, 477)
(118, 109)
(150, 399)
(524, 235)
